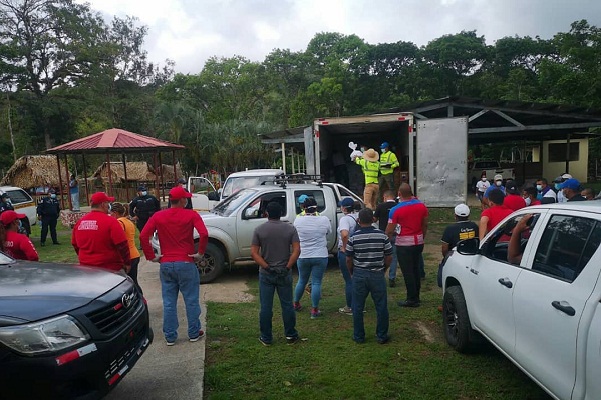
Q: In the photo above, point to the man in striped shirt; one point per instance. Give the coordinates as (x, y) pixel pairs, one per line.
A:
(368, 254)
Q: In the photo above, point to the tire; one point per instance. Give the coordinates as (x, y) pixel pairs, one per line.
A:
(213, 264)
(457, 328)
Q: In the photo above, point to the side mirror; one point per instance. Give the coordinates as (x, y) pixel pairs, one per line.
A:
(468, 247)
(250, 213)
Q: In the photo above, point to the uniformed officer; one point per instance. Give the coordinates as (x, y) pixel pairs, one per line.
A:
(48, 211)
(143, 207)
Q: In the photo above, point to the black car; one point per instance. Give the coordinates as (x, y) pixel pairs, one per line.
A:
(67, 331)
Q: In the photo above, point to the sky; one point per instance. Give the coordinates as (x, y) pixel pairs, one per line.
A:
(191, 31)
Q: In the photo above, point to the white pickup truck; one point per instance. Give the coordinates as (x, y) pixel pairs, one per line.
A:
(232, 222)
(491, 167)
(543, 312)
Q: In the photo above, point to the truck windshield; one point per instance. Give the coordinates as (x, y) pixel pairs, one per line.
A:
(233, 202)
(232, 185)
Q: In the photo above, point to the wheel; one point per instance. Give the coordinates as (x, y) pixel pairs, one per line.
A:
(456, 321)
(213, 264)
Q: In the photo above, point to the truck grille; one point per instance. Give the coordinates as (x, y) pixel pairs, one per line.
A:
(110, 318)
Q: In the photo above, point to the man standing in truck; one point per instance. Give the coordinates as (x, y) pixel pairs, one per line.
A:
(388, 162)
(370, 166)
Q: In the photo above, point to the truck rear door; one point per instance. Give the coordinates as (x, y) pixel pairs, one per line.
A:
(441, 161)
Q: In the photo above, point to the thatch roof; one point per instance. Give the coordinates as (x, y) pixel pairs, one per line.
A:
(33, 171)
(138, 171)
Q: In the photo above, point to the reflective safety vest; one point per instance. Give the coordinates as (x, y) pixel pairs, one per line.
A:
(388, 158)
(370, 169)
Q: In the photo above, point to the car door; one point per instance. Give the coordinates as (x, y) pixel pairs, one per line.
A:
(253, 215)
(550, 299)
(325, 207)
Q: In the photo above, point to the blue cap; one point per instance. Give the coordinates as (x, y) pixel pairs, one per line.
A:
(384, 145)
(302, 198)
(347, 202)
(573, 184)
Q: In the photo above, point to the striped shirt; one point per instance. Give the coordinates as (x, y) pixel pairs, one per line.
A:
(368, 246)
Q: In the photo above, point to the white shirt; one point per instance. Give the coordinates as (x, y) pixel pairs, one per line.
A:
(560, 197)
(347, 223)
(482, 185)
(312, 231)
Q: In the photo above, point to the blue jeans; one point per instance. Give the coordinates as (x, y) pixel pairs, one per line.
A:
(269, 283)
(348, 283)
(310, 267)
(182, 277)
(394, 262)
(365, 282)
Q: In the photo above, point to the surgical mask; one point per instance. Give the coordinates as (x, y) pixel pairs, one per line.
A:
(53, 196)
(110, 207)
(539, 187)
(557, 186)
(144, 193)
(483, 179)
(383, 150)
(363, 149)
(528, 201)
(498, 183)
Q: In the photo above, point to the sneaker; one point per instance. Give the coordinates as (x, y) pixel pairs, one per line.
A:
(201, 334)
(346, 310)
(292, 339)
(391, 283)
(297, 306)
(170, 343)
(264, 343)
(407, 303)
(384, 340)
(315, 314)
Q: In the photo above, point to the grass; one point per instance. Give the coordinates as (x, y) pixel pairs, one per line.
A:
(52, 253)
(328, 364)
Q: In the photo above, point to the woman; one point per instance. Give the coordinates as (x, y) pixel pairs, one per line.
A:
(13, 243)
(481, 188)
(313, 260)
(119, 211)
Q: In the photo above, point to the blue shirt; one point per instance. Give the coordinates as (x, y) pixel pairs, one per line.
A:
(368, 246)
(491, 187)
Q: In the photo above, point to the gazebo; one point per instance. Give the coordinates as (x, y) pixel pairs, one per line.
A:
(115, 141)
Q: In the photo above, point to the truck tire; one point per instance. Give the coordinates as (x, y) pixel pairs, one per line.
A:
(213, 264)
(457, 328)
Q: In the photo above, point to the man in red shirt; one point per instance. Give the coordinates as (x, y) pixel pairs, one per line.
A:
(513, 200)
(98, 238)
(412, 216)
(178, 272)
(495, 214)
(15, 244)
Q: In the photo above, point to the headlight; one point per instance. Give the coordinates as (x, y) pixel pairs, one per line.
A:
(51, 335)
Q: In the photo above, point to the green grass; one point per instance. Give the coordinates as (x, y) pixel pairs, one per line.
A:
(52, 253)
(328, 364)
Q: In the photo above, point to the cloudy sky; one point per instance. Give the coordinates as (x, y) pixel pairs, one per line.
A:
(190, 31)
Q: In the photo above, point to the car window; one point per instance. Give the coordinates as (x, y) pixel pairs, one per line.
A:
(567, 245)
(497, 245)
(18, 196)
(316, 194)
(256, 209)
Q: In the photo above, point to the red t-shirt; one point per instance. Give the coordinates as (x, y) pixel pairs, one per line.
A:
(495, 215)
(96, 237)
(409, 215)
(175, 227)
(514, 202)
(19, 247)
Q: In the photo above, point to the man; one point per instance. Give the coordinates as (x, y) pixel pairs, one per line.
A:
(546, 195)
(530, 195)
(178, 272)
(368, 254)
(497, 184)
(275, 247)
(513, 200)
(74, 192)
(48, 211)
(412, 216)
(388, 162)
(346, 227)
(571, 190)
(588, 193)
(181, 182)
(495, 214)
(370, 166)
(381, 217)
(99, 239)
(5, 205)
(462, 229)
(558, 181)
(143, 207)
(15, 244)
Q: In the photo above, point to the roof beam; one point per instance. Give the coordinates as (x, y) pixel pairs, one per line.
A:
(547, 127)
(523, 111)
(283, 140)
(420, 116)
(508, 118)
(477, 115)
(430, 107)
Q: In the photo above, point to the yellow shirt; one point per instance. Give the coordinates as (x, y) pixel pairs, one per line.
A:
(130, 233)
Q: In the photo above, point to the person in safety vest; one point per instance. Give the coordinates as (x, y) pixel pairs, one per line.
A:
(370, 166)
(388, 162)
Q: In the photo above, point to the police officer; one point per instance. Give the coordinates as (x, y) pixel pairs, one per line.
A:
(388, 162)
(143, 207)
(370, 166)
(48, 211)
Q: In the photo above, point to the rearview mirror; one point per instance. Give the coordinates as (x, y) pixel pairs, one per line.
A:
(468, 247)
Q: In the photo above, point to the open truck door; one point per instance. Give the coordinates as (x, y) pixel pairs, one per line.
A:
(441, 161)
(204, 194)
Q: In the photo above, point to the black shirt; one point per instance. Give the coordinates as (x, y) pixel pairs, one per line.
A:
(578, 197)
(459, 231)
(381, 213)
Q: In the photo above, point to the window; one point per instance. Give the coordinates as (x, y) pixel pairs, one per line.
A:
(497, 246)
(18, 196)
(567, 245)
(316, 194)
(557, 152)
(257, 207)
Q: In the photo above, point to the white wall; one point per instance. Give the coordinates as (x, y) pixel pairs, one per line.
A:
(578, 169)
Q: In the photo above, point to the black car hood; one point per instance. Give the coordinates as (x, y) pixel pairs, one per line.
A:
(33, 291)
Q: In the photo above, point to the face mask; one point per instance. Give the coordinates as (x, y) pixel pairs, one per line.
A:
(143, 193)
(363, 149)
(539, 187)
(557, 185)
(110, 207)
(498, 183)
(383, 150)
(53, 196)
(483, 179)
(528, 201)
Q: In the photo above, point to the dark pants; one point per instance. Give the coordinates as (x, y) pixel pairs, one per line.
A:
(269, 284)
(133, 272)
(364, 283)
(49, 222)
(140, 222)
(408, 258)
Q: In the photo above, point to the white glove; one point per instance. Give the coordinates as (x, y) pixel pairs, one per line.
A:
(197, 257)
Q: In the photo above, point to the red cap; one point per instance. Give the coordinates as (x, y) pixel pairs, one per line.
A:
(8, 216)
(179, 192)
(101, 197)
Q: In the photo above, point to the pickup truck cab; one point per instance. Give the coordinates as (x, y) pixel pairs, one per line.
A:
(492, 168)
(231, 223)
(543, 311)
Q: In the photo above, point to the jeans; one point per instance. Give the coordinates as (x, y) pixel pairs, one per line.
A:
(409, 261)
(365, 282)
(180, 276)
(394, 262)
(314, 268)
(269, 283)
(348, 283)
(75, 201)
(49, 222)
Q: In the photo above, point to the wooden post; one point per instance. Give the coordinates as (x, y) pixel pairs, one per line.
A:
(156, 175)
(108, 168)
(284, 157)
(68, 183)
(162, 177)
(125, 176)
(60, 180)
(85, 178)
(175, 167)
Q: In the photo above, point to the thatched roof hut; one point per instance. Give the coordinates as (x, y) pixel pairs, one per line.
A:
(34, 171)
(137, 171)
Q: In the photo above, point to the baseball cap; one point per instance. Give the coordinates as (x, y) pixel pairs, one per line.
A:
(101, 197)
(566, 176)
(498, 177)
(572, 183)
(302, 198)
(8, 216)
(512, 187)
(310, 203)
(462, 210)
(179, 192)
(347, 202)
(181, 180)
(141, 188)
(384, 145)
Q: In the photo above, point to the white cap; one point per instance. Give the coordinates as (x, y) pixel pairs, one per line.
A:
(498, 177)
(462, 210)
(566, 176)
